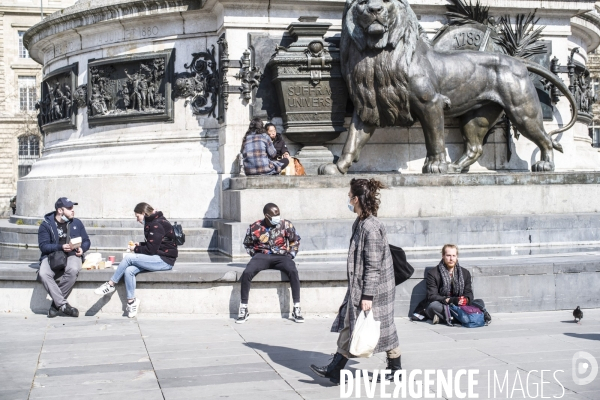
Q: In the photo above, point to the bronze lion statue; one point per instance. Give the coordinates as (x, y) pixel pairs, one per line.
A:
(395, 78)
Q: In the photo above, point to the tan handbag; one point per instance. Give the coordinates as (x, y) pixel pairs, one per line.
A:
(298, 167)
(290, 169)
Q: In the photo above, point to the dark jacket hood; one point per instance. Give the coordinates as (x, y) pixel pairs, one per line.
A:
(49, 217)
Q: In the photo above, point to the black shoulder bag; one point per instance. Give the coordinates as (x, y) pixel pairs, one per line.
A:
(58, 259)
(402, 269)
(178, 235)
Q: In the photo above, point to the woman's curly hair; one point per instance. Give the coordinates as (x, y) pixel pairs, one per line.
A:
(367, 192)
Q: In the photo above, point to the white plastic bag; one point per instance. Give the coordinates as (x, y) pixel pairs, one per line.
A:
(365, 335)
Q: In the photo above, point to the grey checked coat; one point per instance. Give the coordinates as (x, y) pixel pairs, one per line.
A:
(371, 273)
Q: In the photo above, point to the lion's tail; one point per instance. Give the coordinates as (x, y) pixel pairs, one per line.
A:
(556, 81)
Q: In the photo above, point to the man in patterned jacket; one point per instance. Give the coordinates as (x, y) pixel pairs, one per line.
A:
(273, 244)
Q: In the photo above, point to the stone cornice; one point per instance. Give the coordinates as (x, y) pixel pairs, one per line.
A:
(91, 12)
(592, 17)
(27, 10)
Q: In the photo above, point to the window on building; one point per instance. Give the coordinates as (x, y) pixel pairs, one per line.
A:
(27, 95)
(29, 151)
(594, 132)
(23, 53)
(597, 86)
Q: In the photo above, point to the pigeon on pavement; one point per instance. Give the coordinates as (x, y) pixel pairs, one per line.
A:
(578, 314)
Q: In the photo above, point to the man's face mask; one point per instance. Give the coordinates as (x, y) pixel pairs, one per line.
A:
(275, 219)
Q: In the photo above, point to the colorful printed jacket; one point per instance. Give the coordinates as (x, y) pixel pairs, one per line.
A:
(280, 239)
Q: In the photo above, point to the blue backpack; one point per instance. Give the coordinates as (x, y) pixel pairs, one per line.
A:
(469, 317)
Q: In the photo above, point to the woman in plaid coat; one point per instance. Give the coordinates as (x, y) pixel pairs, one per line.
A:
(371, 284)
(259, 153)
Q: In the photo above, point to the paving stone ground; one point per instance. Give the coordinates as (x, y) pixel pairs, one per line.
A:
(183, 357)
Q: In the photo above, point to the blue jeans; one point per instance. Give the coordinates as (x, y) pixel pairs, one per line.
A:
(133, 265)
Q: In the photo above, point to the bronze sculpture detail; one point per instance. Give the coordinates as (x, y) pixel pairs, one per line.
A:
(396, 78)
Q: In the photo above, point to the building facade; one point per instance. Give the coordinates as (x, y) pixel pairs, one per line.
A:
(20, 77)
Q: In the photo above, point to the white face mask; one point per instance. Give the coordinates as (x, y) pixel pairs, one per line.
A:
(350, 206)
(65, 219)
(275, 220)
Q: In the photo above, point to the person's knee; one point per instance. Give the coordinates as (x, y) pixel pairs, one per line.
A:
(289, 264)
(292, 271)
(248, 275)
(435, 306)
(43, 277)
(131, 270)
(73, 268)
(252, 268)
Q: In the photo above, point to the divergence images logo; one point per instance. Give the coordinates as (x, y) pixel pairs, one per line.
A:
(585, 368)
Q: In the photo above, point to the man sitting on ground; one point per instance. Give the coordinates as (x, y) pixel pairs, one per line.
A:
(272, 243)
(448, 283)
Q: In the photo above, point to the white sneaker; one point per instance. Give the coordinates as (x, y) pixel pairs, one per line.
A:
(243, 314)
(105, 289)
(132, 308)
(297, 315)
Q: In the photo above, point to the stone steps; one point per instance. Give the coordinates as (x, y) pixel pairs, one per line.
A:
(198, 239)
(521, 283)
(333, 236)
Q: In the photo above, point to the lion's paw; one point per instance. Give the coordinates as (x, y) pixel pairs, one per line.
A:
(455, 169)
(543, 166)
(329, 169)
(435, 167)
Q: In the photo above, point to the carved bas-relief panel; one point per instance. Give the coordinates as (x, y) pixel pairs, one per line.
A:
(55, 108)
(128, 89)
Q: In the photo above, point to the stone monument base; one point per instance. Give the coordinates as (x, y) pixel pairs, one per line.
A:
(420, 212)
(312, 157)
(423, 211)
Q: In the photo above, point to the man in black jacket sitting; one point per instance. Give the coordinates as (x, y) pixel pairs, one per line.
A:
(448, 283)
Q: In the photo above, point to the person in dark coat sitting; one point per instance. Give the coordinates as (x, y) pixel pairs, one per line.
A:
(448, 283)
(278, 142)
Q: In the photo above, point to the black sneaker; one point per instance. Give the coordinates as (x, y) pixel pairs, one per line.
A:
(53, 311)
(243, 315)
(487, 317)
(69, 311)
(297, 315)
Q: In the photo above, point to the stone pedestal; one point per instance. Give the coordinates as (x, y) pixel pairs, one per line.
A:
(312, 157)
(182, 163)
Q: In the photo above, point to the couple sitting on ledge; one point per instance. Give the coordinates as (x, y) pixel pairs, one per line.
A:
(264, 151)
(62, 257)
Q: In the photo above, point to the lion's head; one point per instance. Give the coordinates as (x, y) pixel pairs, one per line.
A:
(377, 46)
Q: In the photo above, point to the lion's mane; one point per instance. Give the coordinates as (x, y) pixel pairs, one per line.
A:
(377, 78)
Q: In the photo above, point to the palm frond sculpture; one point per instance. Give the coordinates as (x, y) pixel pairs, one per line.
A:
(461, 13)
(522, 39)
